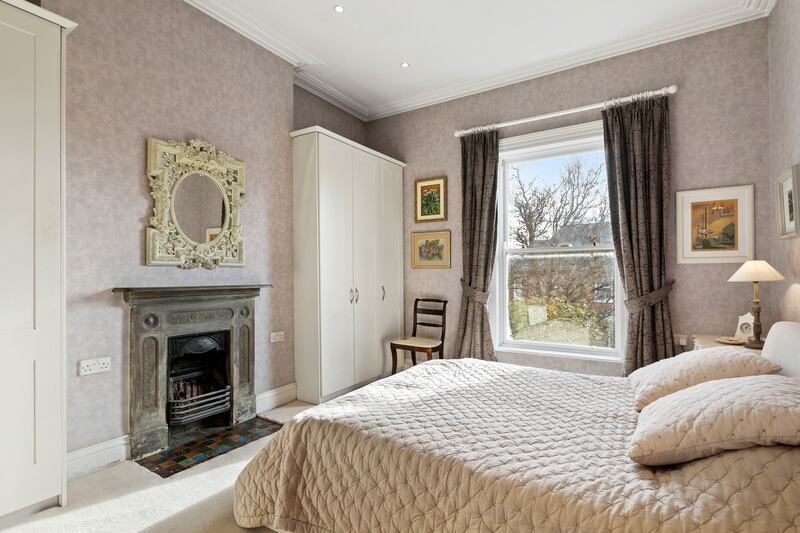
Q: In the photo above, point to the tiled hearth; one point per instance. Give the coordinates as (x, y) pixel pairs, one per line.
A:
(191, 361)
(179, 458)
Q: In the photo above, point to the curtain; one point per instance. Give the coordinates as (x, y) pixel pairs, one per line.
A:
(637, 158)
(479, 242)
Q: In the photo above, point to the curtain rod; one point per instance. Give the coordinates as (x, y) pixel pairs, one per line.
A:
(672, 89)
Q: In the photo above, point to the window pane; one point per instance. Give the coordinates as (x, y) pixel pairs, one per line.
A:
(562, 298)
(558, 201)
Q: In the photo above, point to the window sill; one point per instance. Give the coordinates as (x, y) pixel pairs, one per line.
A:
(597, 364)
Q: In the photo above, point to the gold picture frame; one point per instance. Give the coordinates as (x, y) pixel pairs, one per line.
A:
(431, 199)
(430, 249)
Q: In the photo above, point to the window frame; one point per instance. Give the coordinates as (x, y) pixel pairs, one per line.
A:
(549, 143)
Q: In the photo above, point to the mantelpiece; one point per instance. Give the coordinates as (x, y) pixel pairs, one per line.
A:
(161, 313)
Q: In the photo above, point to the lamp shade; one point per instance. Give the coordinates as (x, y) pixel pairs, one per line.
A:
(756, 270)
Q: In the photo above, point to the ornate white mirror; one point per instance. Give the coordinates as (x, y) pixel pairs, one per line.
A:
(198, 193)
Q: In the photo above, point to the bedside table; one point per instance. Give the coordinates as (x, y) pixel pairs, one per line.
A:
(707, 341)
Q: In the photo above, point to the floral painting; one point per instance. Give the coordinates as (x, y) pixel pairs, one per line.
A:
(430, 249)
(431, 199)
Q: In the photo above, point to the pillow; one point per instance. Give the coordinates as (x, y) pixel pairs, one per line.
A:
(709, 418)
(690, 368)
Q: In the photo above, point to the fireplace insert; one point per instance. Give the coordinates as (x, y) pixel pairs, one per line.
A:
(198, 382)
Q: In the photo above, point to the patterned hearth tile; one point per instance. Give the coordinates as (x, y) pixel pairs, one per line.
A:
(174, 460)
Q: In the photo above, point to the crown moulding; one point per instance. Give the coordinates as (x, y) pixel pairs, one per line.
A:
(230, 15)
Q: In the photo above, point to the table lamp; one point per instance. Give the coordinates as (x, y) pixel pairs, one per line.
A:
(756, 271)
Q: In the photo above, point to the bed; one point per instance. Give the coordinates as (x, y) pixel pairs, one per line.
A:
(468, 445)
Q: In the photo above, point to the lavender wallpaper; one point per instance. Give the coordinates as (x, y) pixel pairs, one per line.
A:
(311, 110)
(720, 134)
(136, 70)
(784, 97)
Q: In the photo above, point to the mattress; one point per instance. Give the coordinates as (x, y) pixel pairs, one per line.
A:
(468, 445)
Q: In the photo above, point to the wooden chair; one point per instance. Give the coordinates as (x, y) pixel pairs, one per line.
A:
(426, 345)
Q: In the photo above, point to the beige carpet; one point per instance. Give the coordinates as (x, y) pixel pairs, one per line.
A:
(126, 498)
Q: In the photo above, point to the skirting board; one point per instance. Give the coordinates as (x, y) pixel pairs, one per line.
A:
(98, 456)
(276, 397)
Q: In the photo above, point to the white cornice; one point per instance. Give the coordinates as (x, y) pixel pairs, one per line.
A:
(229, 14)
(715, 21)
(226, 12)
(330, 94)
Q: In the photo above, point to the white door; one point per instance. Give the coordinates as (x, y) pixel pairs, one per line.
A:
(366, 187)
(390, 260)
(337, 367)
(30, 263)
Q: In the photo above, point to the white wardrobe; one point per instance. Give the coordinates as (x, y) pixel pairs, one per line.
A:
(31, 263)
(348, 263)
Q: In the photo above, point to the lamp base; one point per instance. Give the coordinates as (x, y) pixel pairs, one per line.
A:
(754, 344)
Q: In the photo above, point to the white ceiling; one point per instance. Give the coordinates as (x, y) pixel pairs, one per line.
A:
(457, 47)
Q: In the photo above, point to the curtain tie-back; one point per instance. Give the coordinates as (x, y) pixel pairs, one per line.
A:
(634, 305)
(473, 294)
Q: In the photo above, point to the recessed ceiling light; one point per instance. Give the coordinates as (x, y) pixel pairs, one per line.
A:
(338, 9)
(404, 64)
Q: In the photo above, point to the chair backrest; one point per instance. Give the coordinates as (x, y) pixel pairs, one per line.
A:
(431, 311)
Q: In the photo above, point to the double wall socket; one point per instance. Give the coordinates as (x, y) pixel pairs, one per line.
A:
(94, 366)
(277, 336)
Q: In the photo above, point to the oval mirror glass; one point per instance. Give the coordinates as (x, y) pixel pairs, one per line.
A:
(199, 208)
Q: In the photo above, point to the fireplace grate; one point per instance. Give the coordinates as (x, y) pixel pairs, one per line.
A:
(197, 395)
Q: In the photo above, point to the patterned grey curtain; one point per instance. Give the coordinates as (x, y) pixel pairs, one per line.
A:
(479, 242)
(638, 158)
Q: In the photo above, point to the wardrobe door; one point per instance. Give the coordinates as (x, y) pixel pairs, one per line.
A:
(31, 361)
(390, 260)
(336, 265)
(366, 187)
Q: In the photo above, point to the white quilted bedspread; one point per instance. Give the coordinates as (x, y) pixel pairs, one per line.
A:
(467, 445)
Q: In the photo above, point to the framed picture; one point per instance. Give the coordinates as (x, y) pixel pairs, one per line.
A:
(715, 225)
(212, 234)
(787, 188)
(430, 249)
(431, 195)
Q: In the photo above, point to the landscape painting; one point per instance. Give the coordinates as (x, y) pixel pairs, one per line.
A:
(715, 225)
(430, 249)
(431, 199)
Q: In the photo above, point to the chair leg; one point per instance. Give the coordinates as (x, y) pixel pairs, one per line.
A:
(441, 352)
(394, 358)
(430, 354)
(413, 358)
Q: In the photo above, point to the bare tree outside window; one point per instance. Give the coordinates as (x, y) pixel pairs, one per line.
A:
(561, 281)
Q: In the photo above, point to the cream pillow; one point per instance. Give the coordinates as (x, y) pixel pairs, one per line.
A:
(690, 368)
(709, 418)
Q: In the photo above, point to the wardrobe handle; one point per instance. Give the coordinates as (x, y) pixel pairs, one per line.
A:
(356, 294)
(351, 295)
(383, 293)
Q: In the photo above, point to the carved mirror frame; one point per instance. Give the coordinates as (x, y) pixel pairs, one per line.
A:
(168, 163)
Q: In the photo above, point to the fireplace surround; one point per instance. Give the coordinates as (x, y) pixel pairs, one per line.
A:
(191, 353)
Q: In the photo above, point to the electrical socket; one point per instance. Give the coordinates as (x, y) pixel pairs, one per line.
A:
(94, 366)
(277, 336)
